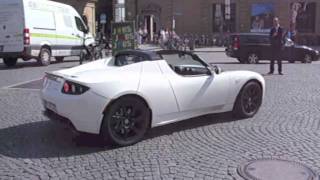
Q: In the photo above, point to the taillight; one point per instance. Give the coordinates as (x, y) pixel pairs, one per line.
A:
(73, 88)
(236, 43)
(26, 36)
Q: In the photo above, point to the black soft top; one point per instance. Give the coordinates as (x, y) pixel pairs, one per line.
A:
(147, 55)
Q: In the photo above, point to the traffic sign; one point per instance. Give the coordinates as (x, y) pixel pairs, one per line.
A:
(103, 18)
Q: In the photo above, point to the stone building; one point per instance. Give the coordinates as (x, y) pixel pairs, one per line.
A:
(212, 16)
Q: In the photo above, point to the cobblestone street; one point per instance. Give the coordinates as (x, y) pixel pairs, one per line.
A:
(210, 147)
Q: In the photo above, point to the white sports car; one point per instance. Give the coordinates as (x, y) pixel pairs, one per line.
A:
(121, 97)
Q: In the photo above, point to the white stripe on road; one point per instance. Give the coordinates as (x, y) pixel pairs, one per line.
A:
(18, 84)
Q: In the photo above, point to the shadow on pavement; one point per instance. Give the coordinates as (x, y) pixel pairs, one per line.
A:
(46, 139)
(31, 64)
(193, 123)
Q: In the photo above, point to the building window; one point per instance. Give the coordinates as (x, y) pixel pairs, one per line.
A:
(262, 15)
(220, 22)
(304, 15)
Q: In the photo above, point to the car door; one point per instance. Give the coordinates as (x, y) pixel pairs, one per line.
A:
(265, 47)
(288, 51)
(195, 88)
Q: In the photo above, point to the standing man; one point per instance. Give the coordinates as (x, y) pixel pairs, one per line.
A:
(276, 37)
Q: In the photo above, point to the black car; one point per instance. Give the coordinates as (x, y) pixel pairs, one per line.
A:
(250, 48)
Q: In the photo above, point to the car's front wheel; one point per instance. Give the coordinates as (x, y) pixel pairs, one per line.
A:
(307, 58)
(253, 58)
(126, 121)
(248, 101)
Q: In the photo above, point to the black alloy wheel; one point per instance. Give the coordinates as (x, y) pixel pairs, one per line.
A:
(248, 101)
(126, 121)
(10, 62)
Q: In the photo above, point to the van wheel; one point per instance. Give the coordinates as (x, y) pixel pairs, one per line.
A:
(44, 56)
(10, 62)
(59, 59)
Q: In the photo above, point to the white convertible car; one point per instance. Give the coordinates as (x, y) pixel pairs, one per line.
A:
(121, 97)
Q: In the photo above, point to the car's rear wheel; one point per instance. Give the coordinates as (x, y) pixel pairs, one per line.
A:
(126, 121)
(10, 62)
(253, 58)
(44, 56)
(59, 59)
(248, 101)
(307, 58)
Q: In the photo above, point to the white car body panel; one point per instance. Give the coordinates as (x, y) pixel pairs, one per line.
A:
(158, 93)
(171, 97)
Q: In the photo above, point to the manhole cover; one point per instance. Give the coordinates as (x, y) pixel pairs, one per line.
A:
(271, 169)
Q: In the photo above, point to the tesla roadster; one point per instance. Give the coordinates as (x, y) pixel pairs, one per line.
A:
(121, 97)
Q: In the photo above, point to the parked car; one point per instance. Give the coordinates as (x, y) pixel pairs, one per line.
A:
(41, 30)
(250, 48)
(121, 97)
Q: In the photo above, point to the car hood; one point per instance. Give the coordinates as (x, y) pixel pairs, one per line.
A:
(303, 47)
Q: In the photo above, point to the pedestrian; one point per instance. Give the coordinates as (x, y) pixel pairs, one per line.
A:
(276, 39)
(140, 35)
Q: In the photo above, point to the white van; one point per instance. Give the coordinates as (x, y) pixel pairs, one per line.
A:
(40, 29)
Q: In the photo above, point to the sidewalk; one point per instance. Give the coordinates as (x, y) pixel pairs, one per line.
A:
(152, 47)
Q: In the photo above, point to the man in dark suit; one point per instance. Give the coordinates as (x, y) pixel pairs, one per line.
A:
(276, 39)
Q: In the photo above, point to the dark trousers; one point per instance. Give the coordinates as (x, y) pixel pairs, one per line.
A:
(276, 57)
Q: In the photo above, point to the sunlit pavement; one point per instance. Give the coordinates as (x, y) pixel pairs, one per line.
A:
(287, 127)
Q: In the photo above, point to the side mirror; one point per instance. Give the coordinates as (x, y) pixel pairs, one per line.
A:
(85, 20)
(86, 30)
(216, 69)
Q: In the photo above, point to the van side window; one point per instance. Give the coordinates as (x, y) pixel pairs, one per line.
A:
(67, 21)
(80, 25)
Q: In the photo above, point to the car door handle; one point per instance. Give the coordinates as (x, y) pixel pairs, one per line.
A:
(8, 36)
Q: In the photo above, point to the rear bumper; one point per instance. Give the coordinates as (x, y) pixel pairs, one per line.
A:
(26, 53)
(231, 53)
(84, 112)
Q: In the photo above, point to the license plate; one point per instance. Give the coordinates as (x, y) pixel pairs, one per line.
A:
(52, 85)
(1, 48)
(50, 106)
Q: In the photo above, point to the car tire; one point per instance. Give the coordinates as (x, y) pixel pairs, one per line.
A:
(307, 58)
(253, 58)
(59, 59)
(125, 121)
(44, 56)
(291, 61)
(248, 100)
(10, 62)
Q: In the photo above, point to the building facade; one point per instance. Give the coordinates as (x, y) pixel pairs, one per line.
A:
(208, 17)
